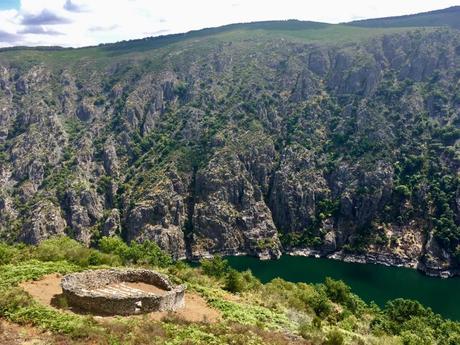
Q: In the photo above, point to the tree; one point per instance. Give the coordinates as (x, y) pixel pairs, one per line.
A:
(234, 281)
(215, 267)
(337, 290)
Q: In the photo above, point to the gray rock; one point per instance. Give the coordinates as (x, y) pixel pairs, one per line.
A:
(45, 221)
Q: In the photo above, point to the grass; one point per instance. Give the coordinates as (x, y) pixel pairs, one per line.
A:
(259, 314)
(30, 263)
(446, 17)
(154, 49)
(17, 306)
(13, 274)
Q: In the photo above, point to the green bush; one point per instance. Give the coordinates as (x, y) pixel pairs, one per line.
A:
(113, 245)
(337, 290)
(64, 248)
(7, 254)
(241, 281)
(250, 281)
(215, 267)
(146, 252)
(403, 191)
(12, 299)
(234, 281)
(321, 306)
(334, 337)
(408, 338)
(401, 310)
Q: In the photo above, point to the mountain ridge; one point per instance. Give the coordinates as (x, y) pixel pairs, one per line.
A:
(448, 16)
(288, 24)
(248, 142)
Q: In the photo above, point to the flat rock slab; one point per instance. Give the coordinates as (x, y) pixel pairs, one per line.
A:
(128, 289)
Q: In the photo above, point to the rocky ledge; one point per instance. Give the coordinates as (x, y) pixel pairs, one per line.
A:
(379, 259)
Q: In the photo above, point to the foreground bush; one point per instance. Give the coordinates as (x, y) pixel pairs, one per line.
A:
(7, 253)
(147, 252)
(215, 267)
(326, 313)
(64, 248)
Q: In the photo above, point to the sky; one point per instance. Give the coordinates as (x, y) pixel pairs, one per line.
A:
(76, 23)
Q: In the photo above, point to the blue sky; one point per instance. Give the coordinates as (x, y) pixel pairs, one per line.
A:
(9, 4)
(79, 23)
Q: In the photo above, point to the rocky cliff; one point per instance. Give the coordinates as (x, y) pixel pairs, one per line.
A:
(240, 141)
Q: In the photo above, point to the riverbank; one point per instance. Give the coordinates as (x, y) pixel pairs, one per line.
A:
(376, 258)
(372, 282)
(386, 259)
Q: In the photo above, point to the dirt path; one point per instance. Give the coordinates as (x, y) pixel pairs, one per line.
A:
(44, 290)
(48, 290)
(12, 334)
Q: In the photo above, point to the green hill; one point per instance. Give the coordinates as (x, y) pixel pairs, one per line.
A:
(262, 138)
(446, 17)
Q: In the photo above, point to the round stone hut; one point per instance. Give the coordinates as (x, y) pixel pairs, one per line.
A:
(122, 292)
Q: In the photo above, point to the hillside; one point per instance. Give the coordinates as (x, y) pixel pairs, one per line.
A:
(255, 138)
(446, 17)
(222, 306)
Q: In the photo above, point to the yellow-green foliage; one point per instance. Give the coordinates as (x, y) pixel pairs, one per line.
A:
(64, 248)
(18, 306)
(208, 335)
(322, 314)
(11, 275)
(147, 252)
(245, 313)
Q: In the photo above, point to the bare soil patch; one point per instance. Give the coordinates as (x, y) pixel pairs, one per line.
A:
(44, 290)
(12, 334)
(196, 310)
(48, 292)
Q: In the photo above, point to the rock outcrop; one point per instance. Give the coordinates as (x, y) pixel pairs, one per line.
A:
(342, 149)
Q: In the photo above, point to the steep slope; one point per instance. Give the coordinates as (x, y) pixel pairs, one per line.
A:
(335, 139)
(446, 17)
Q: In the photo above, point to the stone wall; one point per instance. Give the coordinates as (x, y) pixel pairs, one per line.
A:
(80, 291)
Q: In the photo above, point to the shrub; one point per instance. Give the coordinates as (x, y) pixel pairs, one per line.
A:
(12, 299)
(215, 267)
(408, 338)
(305, 330)
(113, 245)
(403, 191)
(7, 254)
(337, 290)
(64, 248)
(334, 337)
(147, 252)
(241, 281)
(250, 281)
(321, 306)
(234, 281)
(401, 310)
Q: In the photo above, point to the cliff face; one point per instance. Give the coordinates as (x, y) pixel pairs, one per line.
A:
(240, 144)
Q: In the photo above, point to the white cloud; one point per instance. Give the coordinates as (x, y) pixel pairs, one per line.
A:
(89, 22)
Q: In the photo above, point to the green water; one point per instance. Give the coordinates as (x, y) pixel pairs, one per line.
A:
(376, 283)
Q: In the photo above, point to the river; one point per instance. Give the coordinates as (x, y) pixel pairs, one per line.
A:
(371, 282)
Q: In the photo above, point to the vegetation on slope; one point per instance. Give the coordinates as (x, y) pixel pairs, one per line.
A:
(444, 17)
(278, 312)
(256, 139)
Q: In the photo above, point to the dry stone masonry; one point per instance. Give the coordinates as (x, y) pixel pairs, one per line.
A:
(109, 292)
